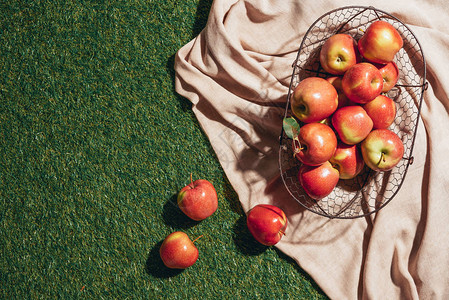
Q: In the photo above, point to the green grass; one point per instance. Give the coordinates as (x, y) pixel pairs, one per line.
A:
(95, 145)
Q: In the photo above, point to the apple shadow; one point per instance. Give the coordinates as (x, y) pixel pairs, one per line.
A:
(174, 217)
(155, 266)
(244, 240)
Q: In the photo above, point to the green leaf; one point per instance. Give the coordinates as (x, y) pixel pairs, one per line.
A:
(291, 127)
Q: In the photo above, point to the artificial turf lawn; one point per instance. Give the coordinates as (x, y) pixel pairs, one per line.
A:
(95, 145)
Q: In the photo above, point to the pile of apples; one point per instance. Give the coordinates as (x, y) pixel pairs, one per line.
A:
(198, 200)
(344, 119)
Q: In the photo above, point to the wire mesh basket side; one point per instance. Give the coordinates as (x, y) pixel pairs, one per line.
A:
(369, 191)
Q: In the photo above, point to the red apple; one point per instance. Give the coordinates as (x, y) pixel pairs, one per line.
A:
(382, 110)
(352, 124)
(313, 100)
(362, 82)
(178, 251)
(348, 160)
(380, 42)
(338, 54)
(342, 99)
(198, 200)
(318, 181)
(382, 150)
(267, 223)
(315, 144)
(390, 75)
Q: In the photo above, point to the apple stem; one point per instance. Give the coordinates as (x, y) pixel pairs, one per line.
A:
(197, 238)
(191, 180)
(282, 232)
(298, 147)
(382, 158)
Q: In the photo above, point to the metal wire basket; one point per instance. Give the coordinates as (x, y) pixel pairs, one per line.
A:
(370, 191)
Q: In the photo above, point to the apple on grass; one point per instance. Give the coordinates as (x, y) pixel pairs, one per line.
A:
(267, 223)
(338, 53)
(352, 124)
(382, 150)
(362, 83)
(382, 110)
(313, 100)
(315, 144)
(318, 181)
(198, 200)
(390, 75)
(348, 160)
(380, 42)
(178, 251)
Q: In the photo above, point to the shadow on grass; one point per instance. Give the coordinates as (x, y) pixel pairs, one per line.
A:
(174, 217)
(156, 268)
(244, 240)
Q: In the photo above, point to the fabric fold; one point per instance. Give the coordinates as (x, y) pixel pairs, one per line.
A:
(236, 73)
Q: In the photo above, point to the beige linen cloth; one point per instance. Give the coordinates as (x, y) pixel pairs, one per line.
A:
(236, 73)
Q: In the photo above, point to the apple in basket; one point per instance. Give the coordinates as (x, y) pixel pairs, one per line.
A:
(198, 200)
(380, 42)
(313, 100)
(382, 150)
(338, 53)
(382, 110)
(352, 124)
(362, 82)
(315, 144)
(343, 100)
(390, 75)
(318, 181)
(348, 160)
(178, 251)
(267, 223)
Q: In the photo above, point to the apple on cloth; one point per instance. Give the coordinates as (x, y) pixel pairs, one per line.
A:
(267, 223)
(236, 73)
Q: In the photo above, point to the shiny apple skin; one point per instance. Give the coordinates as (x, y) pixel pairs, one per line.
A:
(198, 200)
(380, 42)
(352, 124)
(318, 141)
(267, 223)
(313, 100)
(348, 160)
(338, 53)
(382, 110)
(378, 142)
(390, 75)
(362, 83)
(318, 181)
(178, 251)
